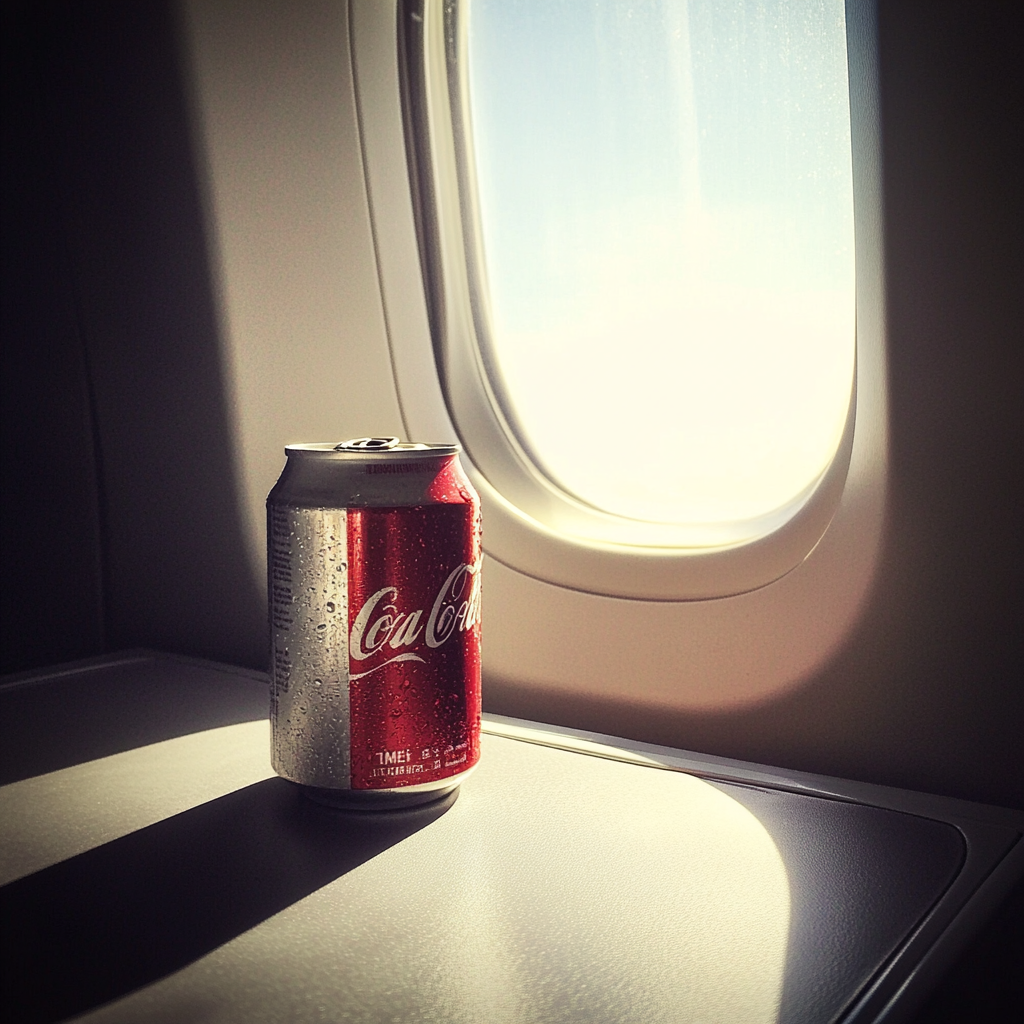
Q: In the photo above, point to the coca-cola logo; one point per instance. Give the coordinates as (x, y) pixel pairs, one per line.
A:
(381, 626)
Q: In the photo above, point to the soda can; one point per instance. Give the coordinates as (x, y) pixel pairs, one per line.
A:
(373, 564)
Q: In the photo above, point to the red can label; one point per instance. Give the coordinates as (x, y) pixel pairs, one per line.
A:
(414, 644)
(375, 625)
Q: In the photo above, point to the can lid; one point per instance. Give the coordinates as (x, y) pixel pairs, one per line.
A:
(367, 444)
(373, 448)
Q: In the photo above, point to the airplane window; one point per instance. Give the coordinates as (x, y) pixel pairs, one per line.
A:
(664, 256)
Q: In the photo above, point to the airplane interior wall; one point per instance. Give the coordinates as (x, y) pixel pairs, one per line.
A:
(106, 266)
(125, 517)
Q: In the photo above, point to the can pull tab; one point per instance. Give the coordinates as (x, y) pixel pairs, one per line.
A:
(367, 444)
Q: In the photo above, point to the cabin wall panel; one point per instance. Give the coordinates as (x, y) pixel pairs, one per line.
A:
(224, 311)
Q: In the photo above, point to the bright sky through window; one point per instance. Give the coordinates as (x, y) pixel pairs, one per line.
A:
(666, 208)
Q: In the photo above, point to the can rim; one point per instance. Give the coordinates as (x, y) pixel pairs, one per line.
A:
(403, 450)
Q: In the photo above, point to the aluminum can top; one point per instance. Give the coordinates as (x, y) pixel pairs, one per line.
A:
(371, 471)
(362, 448)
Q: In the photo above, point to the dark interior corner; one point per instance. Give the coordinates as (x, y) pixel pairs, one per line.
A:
(121, 516)
(52, 599)
(985, 984)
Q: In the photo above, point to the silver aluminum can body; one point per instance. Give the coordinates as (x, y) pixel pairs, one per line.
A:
(373, 560)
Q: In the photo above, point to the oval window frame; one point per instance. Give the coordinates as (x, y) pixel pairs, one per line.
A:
(531, 526)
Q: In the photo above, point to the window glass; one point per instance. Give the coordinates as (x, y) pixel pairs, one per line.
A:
(665, 204)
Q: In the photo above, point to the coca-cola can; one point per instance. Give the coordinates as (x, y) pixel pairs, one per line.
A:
(373, 559)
